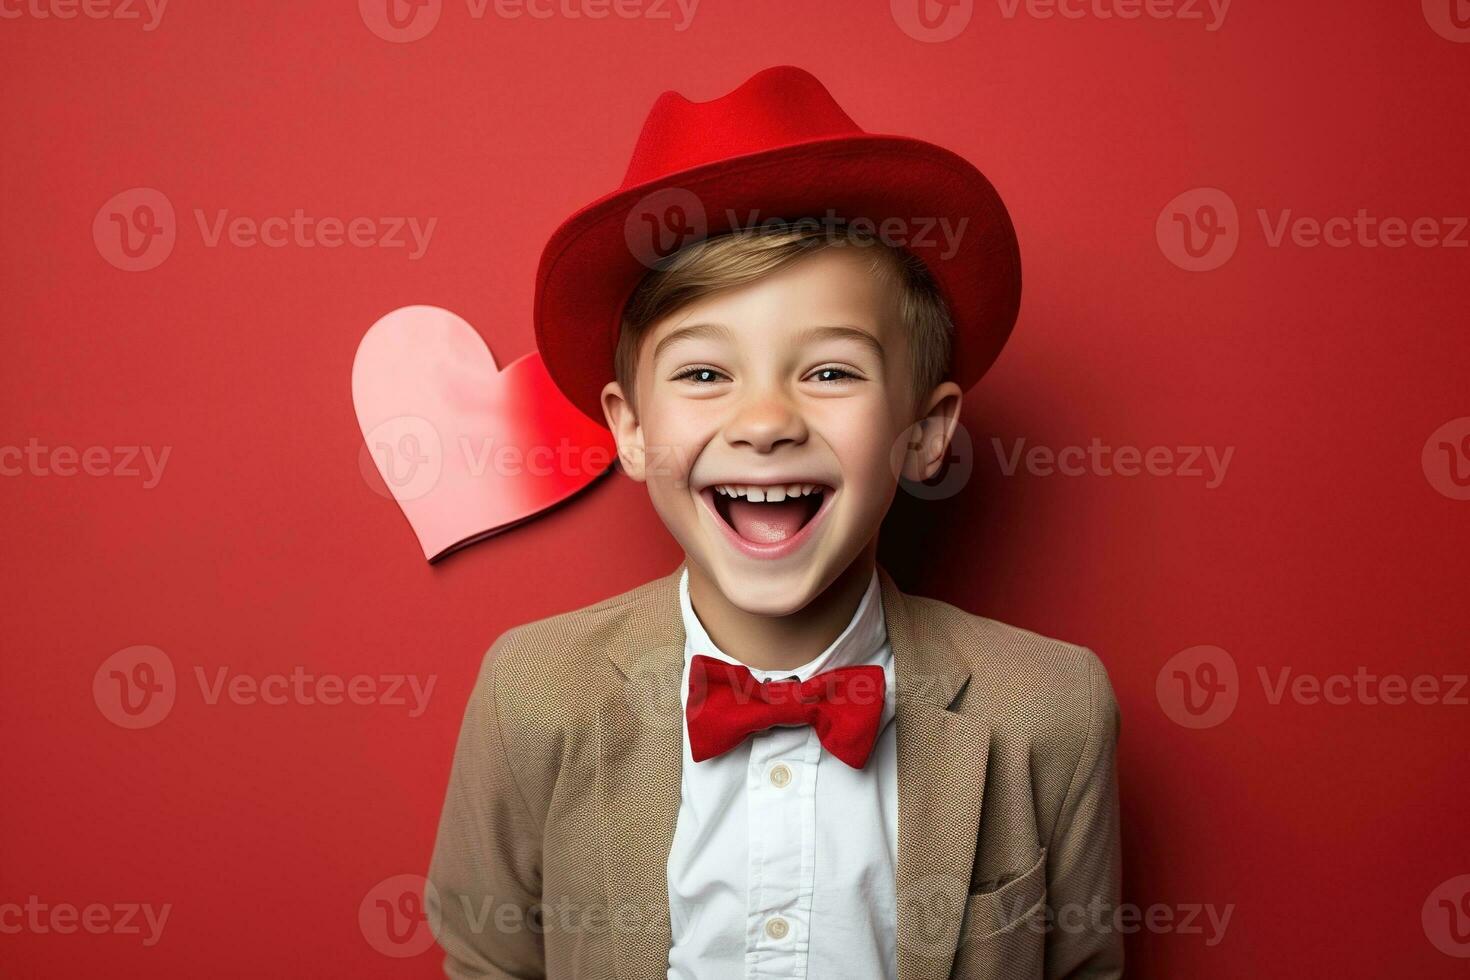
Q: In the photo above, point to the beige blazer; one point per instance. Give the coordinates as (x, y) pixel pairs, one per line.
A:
(550, 859)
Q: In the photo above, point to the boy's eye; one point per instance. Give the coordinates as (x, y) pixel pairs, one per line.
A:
(841, 373)
(707, 375)
(700, 375)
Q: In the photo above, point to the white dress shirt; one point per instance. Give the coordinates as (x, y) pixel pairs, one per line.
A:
(784, 856)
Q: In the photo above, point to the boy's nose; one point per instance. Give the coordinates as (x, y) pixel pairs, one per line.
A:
(764, 420)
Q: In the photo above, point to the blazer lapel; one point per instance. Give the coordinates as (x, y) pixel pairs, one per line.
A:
(941, 785)
(941, 782)
(641, 748)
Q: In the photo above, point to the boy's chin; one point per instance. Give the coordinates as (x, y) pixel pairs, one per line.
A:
(771, 588)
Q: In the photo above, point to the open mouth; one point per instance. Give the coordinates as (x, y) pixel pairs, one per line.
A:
(766, 518)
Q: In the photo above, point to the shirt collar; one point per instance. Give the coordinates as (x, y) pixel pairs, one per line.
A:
(863, 641)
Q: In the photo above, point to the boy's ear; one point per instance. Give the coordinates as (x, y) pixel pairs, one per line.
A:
(930, 435)
(626, 432)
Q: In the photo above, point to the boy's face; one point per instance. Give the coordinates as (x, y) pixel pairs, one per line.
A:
(800, 378)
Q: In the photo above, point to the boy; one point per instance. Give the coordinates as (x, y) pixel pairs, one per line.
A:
(772, 762)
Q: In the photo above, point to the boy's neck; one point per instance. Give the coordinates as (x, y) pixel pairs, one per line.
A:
(781, 642)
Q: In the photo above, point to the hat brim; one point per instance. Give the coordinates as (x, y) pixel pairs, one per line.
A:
(592, 264)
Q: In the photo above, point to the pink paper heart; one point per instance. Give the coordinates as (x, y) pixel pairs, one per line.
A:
(467, 450)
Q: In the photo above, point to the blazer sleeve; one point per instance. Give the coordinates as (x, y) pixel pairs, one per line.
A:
(484, 889)
(1084, 860)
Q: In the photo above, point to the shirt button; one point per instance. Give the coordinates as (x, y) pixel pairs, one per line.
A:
(780, 775)
(776, 927)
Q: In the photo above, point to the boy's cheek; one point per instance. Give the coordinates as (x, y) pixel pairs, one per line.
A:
(872, 452)
(668, 465)
(670, 451)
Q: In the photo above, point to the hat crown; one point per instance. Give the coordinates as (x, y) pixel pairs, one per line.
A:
(780, 106)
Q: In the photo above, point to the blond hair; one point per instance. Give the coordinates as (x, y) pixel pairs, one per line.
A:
(741, 257)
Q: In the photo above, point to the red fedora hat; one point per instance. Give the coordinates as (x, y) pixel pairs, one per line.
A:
(778, 147)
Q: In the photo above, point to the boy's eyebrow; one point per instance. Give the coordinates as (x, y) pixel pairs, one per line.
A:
(843, 331)
(694, 331)
(832, 331)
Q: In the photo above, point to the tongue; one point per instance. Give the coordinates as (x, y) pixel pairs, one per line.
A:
(767, 523)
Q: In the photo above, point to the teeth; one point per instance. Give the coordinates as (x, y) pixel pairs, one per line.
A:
(774, 494)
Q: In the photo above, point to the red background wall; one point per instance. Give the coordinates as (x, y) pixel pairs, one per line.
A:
(1330, 831)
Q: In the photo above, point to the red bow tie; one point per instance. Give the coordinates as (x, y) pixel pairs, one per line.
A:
(727, 703)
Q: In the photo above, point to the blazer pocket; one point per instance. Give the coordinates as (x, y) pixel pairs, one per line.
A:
(1003, 934)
